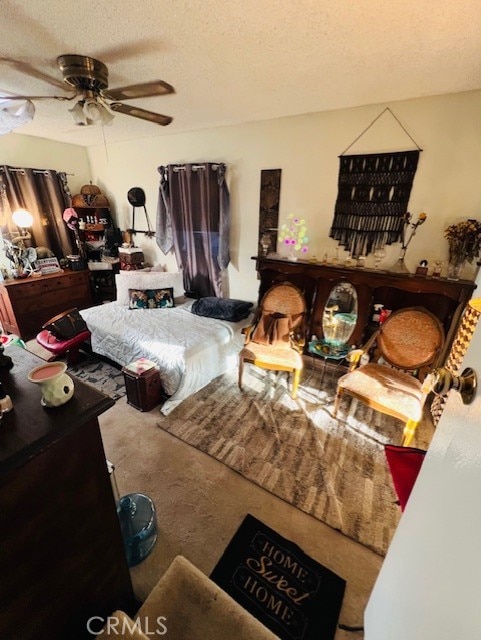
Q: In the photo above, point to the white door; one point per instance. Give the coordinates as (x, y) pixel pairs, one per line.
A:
(429, 587)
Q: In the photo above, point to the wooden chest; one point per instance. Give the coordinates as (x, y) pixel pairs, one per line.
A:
(131, 256)
(143, 389)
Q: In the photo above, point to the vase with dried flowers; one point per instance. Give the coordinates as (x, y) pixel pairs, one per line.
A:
(293, 236)
(409, 226)
(464, 240)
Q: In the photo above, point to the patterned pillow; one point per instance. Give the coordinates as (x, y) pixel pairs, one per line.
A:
(126, 280)
(151, 298)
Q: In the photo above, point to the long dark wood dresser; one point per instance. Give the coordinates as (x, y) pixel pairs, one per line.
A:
(445, 298)
(61, 552)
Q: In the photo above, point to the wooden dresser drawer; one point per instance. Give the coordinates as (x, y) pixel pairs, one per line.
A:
(25, 305)
(51, 298)
(39, 286)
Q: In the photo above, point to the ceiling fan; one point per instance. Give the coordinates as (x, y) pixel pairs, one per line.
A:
(89, 79)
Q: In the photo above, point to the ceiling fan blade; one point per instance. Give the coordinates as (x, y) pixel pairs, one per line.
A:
(128, 110)
(37, 97)
(143, 90)
(29, 70)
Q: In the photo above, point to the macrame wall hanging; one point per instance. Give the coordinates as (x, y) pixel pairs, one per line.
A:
(373, 196)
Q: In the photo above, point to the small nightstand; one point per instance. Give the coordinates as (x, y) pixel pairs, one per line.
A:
(142, 383)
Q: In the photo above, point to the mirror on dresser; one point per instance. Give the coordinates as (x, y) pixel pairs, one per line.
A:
(339, 318)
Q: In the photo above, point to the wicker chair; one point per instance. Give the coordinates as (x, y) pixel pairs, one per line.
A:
(277, 336)
(409, 340)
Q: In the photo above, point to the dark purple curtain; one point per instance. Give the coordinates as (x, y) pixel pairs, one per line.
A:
(44, 193)
(193, 219)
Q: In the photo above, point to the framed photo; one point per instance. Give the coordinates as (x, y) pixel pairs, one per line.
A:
(47, 265)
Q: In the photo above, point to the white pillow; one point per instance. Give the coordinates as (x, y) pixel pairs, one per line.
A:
(126, 280)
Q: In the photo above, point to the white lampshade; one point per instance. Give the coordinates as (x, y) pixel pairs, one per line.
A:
(14, 113)
(91, 111)
(96, 110)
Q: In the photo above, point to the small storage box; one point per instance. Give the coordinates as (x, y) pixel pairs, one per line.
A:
(131, 255)
(143, 386)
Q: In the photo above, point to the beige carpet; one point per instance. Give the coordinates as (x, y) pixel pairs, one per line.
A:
(201, 503)
(333, 469)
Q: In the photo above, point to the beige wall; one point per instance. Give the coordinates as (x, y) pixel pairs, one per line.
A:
(18, 150)
(306, 148)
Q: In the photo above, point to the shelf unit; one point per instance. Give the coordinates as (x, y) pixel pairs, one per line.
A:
(95, 220)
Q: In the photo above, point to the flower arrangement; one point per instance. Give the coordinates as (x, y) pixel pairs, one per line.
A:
(409, 224)
(293, 234)
(464, 240)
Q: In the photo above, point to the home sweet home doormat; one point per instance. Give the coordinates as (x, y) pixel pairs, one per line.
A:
(271, 577)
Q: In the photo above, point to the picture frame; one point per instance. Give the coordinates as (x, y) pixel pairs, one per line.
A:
(47, 265)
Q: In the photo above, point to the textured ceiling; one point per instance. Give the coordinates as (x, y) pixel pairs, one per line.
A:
(234, 62)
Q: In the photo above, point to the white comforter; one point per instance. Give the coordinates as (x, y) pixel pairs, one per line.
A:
(189, 350)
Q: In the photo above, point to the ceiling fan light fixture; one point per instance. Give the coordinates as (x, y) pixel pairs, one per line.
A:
(91, 111)
(96, 111)
(87, 78)
(78, 114)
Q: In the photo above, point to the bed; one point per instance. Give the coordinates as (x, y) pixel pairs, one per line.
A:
(190, 350)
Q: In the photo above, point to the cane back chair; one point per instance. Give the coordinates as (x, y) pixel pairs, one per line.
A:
(277, 336)
(406, 346)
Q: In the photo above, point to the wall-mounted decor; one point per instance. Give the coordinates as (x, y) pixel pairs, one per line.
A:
(136, 197)
(269, 210)
(373, 195)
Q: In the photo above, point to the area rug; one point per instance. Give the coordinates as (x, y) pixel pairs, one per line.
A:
(102, 375)
(290, 593)
(90, 369)
(331, 468)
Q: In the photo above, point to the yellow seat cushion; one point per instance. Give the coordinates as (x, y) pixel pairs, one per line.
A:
(381, 385)
(282, 357)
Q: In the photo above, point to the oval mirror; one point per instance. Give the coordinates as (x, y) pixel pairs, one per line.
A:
(340, 316)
